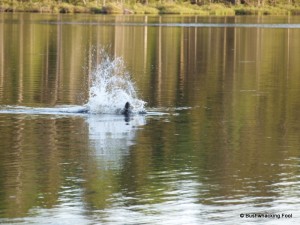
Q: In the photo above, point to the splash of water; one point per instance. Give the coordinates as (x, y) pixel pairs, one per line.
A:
(111, 87)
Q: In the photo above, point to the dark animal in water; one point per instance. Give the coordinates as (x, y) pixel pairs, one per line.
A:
(127, 109)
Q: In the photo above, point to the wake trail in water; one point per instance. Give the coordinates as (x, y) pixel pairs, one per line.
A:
(58, 110)
(110, 88)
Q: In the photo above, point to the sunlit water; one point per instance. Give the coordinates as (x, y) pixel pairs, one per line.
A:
(219, 143)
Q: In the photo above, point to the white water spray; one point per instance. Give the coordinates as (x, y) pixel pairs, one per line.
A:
(111, 87)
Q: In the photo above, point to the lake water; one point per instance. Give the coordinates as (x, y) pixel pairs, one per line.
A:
(220, 144)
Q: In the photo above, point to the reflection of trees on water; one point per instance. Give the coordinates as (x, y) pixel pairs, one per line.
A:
(170, 57)
(53, 158)
(244, 82)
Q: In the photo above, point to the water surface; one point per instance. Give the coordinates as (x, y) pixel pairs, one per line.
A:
(223, 140)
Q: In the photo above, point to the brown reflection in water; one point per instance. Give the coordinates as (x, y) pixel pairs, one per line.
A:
(238, 138)
(39, 155)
